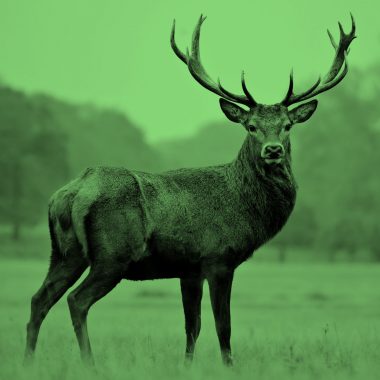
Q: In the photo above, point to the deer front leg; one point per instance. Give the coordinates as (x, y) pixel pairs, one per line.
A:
(191, 290)
(220, 292)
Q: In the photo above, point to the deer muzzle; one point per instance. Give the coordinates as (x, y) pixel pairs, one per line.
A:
(273, 153)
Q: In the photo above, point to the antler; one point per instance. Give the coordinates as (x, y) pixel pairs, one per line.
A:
(193, 61)
(334, 75)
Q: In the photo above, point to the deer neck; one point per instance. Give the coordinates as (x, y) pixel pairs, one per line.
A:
(256, 181)
(267, 193)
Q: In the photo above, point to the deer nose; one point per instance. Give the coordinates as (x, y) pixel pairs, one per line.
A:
(272, 150)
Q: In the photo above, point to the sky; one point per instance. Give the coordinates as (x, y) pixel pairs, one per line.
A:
(117, 54)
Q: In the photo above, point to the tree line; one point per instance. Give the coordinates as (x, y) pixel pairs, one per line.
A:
(45, 142)
(336, 156)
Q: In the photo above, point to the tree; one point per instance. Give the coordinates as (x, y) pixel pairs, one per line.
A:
(33, 159)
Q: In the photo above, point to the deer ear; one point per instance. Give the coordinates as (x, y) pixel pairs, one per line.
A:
(303, 112)
(232, 111)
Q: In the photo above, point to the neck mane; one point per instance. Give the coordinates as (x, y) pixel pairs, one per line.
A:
(248, 168)
(268, 191)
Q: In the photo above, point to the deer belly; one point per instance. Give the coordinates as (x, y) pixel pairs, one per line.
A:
(156, 267)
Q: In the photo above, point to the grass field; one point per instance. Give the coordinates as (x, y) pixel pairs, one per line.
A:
(288, 321)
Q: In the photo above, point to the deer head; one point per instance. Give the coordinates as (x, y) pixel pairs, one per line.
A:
(269, 125)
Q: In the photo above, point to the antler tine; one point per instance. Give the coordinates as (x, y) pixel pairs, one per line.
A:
(229, 95)
(335, 73)
(245, 89)
(195, 39)
(353, 29)
(289, 94)
(341, 28)
(193, 62)
(174, 46)
(291, 98)
(333, 43)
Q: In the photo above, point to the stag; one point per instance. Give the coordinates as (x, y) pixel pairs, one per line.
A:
(192, 224)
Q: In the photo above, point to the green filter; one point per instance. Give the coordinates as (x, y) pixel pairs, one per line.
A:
(139, 168)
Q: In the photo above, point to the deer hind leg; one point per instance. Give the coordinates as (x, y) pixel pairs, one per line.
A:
(103, 277)
(62, 274)
(191, 290)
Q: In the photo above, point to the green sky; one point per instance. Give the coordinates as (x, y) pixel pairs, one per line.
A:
(117, 53)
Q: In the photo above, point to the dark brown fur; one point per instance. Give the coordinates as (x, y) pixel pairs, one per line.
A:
(192, 224)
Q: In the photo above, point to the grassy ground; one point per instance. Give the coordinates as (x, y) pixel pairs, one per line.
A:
(289, 321)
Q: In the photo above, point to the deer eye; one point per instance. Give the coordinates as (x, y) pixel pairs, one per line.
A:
(287, 127)
(252, 128)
